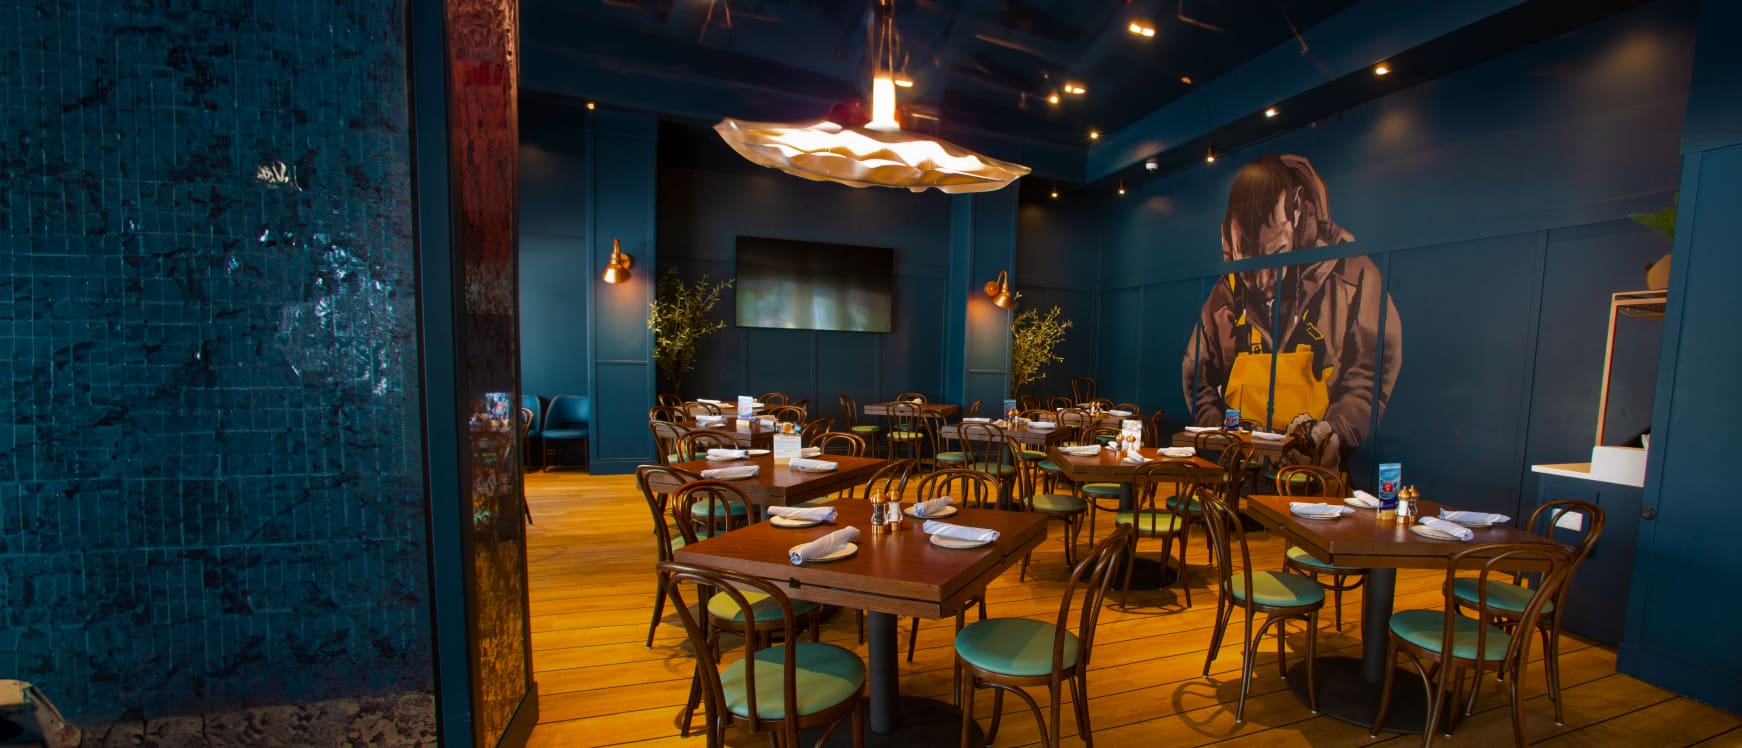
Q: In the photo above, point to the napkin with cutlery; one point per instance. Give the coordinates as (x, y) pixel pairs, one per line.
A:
(976, 419)
(959, 532)
(800, 463)
(727, 454)
(1082, 451)
(1464, 518)
(1315, 509)
(1120, 413)
(1450, 528)
(1201, 429)
(732, 473)
(818, 513)
(824, 545)
(1366, 500)
(932, 506)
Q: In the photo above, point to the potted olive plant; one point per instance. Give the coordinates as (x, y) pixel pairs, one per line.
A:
(680, 316)
(1034, 338)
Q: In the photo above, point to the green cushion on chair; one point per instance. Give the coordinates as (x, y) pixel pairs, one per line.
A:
(1279, 589)
(1013, 646)
(952, 456)
(1049, 466)
(718, 508)
(1104, 438)
(997, 469)
(1029, 454)
(723, 607)
(1102, 489)
(1300, 556)
(1058, 503)
(1425, 628)
(1174, 503)
(1150, 521)
(903, 436)
(826, 675)
(867, 429)
(1502, 596)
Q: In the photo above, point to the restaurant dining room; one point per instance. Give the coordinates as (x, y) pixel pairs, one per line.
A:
(873, 372)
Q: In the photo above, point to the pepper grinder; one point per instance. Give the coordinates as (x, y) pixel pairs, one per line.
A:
(878, 527)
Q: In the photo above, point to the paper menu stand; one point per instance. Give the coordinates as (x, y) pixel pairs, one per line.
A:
(1231, 420)
(744, 405)
(786, 447)
(1390, 480)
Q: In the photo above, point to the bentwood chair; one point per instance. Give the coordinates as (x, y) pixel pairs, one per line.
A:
(912, 397)
(815, 428)
(1083, 389)
(1314, 481)
(972, 411)
(1027, 402)
(783, 688)
(1061, 401)
(666, 538)
(839, 443)
(1132, 408)
(669, 398)
(1279, 596)
(1167, 496)
(1008, 654)
(787, 414)
(1445, 643)
(1102, 497)
(969, 488)
(771, 399)
(694, 445)
(1155, 431)
(568, 419)
(708, 408)
(906, 433)
(665, 439)
(1067, 508)
(1507, 600)
(891, 478)
(867, 431)
(668, 414)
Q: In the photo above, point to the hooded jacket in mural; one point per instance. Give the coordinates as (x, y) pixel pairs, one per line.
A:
(1332, 308)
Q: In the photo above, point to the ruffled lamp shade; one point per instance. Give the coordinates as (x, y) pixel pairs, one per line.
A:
(863, 156)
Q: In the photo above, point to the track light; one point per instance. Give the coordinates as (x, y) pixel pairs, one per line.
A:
(1151, 165)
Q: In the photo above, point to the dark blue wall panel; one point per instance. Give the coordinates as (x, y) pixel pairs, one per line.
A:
(1169, 314)
(1058, 262)
(556, 275)
(622, 157)
(1121, 331)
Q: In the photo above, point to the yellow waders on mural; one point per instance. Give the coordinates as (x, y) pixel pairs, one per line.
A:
(1299, 388)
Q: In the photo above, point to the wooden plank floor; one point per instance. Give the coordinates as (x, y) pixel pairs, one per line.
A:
(591, 554)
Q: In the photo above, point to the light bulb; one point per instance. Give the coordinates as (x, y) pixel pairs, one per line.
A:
(882, 104)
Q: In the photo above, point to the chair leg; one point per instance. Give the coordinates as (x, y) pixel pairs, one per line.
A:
(1337, 597)
(912, 638)
(1385, 690)
(1130, 561)
(1515, 694)
(997, 714)
(965, 699)
(1249, 656)
(1224, 611)
(1184, 580)
(859, 725)
(1052, 728)
(658, 609)
(1080, 693)
(1312, 655)
(1551, 665)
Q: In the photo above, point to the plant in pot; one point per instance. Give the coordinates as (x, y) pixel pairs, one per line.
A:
(1034, 340)
(680, 316)
(1663, 221)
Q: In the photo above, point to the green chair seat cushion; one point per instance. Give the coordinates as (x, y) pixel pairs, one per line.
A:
(1033, 454)
(1174, 503)
(1502, 596)
(1104, 438)
(1102, 489)
(718, 508)
(1047, 465)
(998, 469)
(1151, 521)
(1426, 629)
(826, 675)
(867, 429)
(952, 456)
(1279, 590)
(903, 436)
(1300, 556)
(723, 607)
(1057, 502)
(1013, 646)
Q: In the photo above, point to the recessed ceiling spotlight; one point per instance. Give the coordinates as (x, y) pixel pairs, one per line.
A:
(1094, 134)
(1055, 193)
(1075, 89)
(1271, 112)
(1053, 98)
(1151, 165)
(904, 81)
(1382, 69)
(1210, 156)
(1186, 79)
(1121, 187)
(590, 105)
(1141, 28)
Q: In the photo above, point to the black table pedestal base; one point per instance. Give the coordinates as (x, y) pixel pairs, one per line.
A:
(1344, 694)
(1149, 574)
(924, 723)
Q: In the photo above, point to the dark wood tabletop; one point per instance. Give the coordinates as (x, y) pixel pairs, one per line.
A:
(900, 573)
(752, 435)
(1260, 447)
(782, 485)
(940, 409)
(1030, 437)
(1362, 539)
(1108, 467)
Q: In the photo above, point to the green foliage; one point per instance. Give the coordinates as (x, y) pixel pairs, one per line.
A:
(1663, 221)
(1033, 339)
(680, 317)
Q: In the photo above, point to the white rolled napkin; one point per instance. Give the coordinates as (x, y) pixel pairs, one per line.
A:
(818, 513)
(732, 473)
(1201, 429)
(917, 401)
(976, 419)
(1366, 499)
(1134, 458)
(800, 463)
(1463, 517)
(932, 506)
(727, 454)
(1450, 528)
(1268, 436)
(824, 545)
(709, 418)
(958, 532)
(810, 451)
(1082, 451)
(710, 402)
(1316, 509)
(1179, 451)
(1118, 412)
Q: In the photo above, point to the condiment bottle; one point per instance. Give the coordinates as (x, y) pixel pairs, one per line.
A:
(877, 499)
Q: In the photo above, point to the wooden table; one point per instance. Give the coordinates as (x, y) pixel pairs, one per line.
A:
(893, 575)
(783, 486)
(1108, 467)
(1349, 689)
(751, 436)
(1266, 448)
(1035, 438)
(937, 409)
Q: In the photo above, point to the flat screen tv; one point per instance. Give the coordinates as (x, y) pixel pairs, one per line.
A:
(811, 286)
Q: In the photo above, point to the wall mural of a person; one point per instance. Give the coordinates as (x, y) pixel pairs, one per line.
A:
(1316, 324)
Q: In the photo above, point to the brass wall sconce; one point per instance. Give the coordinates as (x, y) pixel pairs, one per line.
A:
(999, 290)
(617, 270)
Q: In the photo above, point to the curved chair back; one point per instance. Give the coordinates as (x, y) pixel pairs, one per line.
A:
(1097, 434)
(815, 429)
(771, 399)
(1491, 561)
(1309, 480)
(668, 413)
(1155, 430)
(908, 397)
(840, 443)
(787, 413)
(892, 477)
(1083, 389)
(982, 443)
(1183, 480)
(1211, 444)
(694, 445)
(665, 439)
(969, 487)
(1073, 421)
(670, 398)
(1039, 414)
(1225, 533)
(1237, 464)
(1100, 403)
(906, 431)
(532, 402)
(749, 594)
(1090, 580)
(708, 408)
(657, 482)
(1545, 522)
(568, 412)
(702, 508)
(1061, 401)
(1027, 402)
(1132, 408)
(972, 411)
(849, 410)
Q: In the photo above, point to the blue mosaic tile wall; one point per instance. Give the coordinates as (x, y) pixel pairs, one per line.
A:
(211, 492)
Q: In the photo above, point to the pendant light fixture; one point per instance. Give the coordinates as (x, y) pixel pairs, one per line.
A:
(877, 153)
